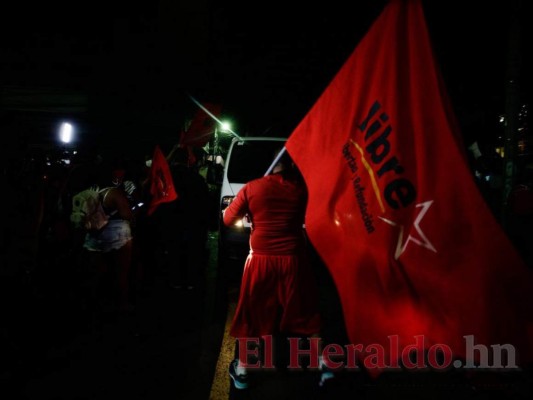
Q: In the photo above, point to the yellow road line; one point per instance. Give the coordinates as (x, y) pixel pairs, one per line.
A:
(221, 380)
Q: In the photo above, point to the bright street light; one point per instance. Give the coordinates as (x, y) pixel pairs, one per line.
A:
(66, 132)
(225, 126)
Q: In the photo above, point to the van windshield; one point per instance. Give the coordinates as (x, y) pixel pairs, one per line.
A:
(251, 159)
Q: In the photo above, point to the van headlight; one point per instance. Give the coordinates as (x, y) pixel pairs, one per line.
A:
(226, 201)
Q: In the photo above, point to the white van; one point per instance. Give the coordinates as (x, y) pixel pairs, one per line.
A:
(247, 159)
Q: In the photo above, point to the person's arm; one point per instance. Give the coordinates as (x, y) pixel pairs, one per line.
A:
(117, 200)
(237, 208)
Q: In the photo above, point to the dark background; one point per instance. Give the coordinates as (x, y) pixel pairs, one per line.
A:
(122, 70)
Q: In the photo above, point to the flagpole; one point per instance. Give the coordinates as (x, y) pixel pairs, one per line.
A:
(212, 116)
(281, 152)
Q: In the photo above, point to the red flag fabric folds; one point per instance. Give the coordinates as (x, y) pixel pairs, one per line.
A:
(393, 210)
(161, 184)
(202, 126)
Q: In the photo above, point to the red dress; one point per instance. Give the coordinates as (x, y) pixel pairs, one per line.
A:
(278, 291)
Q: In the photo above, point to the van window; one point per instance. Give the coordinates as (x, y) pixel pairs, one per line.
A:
(251, 159)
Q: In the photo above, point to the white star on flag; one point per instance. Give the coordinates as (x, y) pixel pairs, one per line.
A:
(423, 241)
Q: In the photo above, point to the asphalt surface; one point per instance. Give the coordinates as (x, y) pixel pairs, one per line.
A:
(175, 346)
(166, 348)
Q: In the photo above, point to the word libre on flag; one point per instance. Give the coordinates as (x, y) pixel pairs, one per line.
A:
(393, 209)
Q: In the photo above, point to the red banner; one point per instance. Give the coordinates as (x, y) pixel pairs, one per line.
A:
(393, 210)
(202, 127)
(161, 184)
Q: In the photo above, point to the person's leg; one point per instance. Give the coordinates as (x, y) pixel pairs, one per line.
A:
(92, 280)
(123, 266)
(137, 271)
(95, 274)
(257, 311)
(326, 373)
(244, 357)
(301, 311)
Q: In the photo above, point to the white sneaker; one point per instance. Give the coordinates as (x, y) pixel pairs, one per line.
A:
(324, 377)
(239, 380)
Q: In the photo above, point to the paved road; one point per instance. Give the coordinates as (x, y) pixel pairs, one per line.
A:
(166, 349)
(175, 346)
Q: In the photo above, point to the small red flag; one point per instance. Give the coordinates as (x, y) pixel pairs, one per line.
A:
(415, 253)
(202, 127)
(161, 184)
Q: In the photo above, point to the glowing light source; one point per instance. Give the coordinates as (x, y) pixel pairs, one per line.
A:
(225, 126)
(65, 132)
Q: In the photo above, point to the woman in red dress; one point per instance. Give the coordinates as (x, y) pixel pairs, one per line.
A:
(278, 290)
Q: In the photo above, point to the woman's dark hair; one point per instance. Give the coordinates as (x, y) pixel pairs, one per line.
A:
(289, 168)
(286, 160)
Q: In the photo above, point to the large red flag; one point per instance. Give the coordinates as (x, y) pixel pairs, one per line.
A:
(415, 253)
(202, 126)
(161, 184)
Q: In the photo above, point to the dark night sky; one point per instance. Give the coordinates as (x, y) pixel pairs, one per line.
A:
(267, 64)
